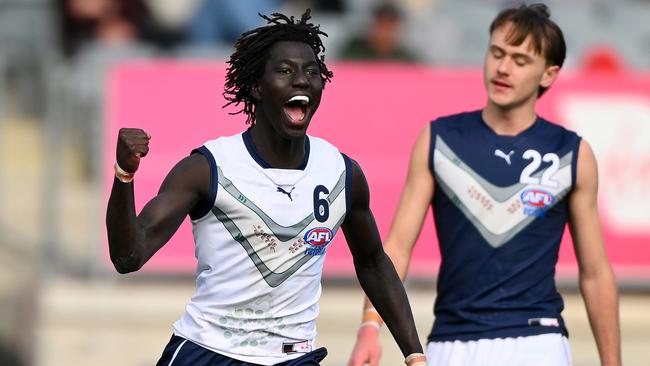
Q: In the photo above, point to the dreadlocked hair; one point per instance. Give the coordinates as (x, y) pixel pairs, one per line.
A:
(246, 64)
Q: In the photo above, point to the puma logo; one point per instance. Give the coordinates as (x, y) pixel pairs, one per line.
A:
(285, 192)
(503, 155)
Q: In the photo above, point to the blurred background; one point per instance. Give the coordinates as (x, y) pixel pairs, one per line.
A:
(73, 71)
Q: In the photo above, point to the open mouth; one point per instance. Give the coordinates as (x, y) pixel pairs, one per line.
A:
(500, 84)
(296, 108)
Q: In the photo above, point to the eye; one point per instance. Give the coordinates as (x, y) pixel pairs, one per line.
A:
(284, 71)
(497, 53)
(520, 61)
(312, 72)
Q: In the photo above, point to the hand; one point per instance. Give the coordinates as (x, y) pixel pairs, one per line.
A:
(132, 145)
(368, 349)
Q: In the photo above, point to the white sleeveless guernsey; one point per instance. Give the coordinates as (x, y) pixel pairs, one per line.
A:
(260, 248)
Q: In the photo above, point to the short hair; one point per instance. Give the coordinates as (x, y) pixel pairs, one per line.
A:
(534, 20)
(246, 64)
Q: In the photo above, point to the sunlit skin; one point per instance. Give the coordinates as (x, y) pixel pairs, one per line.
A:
(512, 75)
(291, 70)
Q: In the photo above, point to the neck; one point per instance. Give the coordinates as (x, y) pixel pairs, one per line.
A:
(279, 152)
(509, 121)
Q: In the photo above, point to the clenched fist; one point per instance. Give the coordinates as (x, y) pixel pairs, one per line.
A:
(132, 145)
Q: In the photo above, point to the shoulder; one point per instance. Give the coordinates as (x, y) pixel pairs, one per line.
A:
(586, 176)
(586, 154)
(191, 173)
(193, 162)
(223, 150)
(457, 120)
(557, 129)
(322, 150)
(357, 190)
(454, 127)
(320, 142)
(225, 142)
(198, 170)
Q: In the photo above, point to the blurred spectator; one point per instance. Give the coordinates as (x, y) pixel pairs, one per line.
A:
(171, 21)
(26, 45)
(325, 6)
(109, 22)
(223, 21)
(96, 34)
(332, 6)
(382, 40)
(8, 356)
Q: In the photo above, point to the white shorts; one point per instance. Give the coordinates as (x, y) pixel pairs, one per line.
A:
(540, 350)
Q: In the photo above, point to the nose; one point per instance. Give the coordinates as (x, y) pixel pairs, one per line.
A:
(504, 65)
(300, 79)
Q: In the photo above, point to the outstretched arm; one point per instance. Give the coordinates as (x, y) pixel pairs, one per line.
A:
(407, 223)
(597, 282)
(374, 268)
(134, 238)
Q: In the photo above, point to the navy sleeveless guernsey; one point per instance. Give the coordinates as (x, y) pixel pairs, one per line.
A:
(500, 208)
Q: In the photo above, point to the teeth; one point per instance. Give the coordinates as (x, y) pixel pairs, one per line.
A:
(299, 98)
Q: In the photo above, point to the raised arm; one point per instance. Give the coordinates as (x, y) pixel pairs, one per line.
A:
(597, 282)
(407, 224)
(134, 238)
(374, 269)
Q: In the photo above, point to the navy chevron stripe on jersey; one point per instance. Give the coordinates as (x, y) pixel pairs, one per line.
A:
(500, 209)
(271, 277)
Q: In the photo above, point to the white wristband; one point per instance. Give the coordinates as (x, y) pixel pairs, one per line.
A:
(122, 175)
(370, 323)
(416, 359)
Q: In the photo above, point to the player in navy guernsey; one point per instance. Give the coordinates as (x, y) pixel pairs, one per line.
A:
(503, 183)
(264, 206)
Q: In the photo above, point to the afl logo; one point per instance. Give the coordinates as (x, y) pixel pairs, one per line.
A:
(317, 239)
(537, 198)
(536, 201)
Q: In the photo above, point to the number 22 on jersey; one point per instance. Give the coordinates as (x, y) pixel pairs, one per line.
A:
(536, 158)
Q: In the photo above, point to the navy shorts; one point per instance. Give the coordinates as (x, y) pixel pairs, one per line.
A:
(182, 352)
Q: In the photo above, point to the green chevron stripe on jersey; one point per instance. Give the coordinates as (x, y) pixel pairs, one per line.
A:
(274, 279)
(283, 233)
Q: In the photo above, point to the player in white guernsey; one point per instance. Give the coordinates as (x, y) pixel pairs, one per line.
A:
(503, 183)
(264, 205)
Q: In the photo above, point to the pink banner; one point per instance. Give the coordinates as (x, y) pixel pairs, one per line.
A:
(373, 113)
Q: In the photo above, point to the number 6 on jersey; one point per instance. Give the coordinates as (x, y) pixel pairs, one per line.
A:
(321, 205)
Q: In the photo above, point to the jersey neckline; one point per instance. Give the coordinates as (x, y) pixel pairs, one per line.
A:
(524, 133)
(252, 151)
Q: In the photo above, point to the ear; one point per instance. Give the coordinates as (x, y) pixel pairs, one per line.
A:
(549, 76)
(256, 91)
